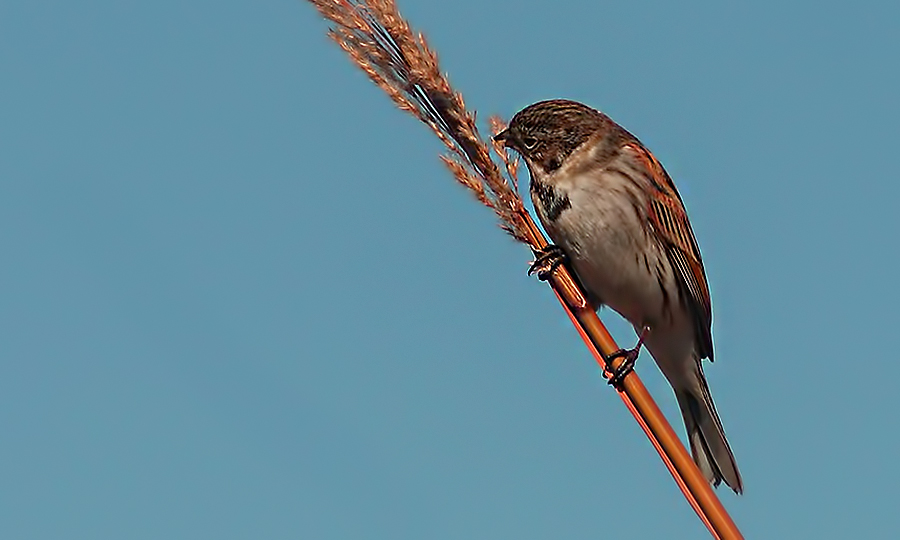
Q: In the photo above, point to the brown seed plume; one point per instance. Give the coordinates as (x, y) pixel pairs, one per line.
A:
(383, 45)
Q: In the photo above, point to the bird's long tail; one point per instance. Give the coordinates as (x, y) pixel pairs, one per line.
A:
(708, 444)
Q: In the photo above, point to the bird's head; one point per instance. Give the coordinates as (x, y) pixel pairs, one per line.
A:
(546, 133)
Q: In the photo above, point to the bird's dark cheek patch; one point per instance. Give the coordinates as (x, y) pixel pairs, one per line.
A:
(552, 201)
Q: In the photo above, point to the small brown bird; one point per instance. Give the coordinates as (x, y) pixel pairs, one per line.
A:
(612, 209)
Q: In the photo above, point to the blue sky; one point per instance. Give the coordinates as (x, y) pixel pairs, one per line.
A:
(241, 297)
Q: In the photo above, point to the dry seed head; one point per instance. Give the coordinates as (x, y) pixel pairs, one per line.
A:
(379, 40)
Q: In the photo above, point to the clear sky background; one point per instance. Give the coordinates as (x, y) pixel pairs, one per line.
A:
(241, 297)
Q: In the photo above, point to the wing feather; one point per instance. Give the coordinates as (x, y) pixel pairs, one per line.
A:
(670, 221)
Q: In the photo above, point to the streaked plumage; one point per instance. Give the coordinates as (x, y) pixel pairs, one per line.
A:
(612, 208)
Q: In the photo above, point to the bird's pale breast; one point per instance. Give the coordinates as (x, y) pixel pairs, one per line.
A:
(603, 230)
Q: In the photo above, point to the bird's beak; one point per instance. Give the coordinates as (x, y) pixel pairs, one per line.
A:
(502, 137)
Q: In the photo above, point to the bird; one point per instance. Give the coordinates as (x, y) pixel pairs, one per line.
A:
(616, 219)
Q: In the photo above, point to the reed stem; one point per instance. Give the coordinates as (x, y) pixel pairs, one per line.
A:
(381, 43)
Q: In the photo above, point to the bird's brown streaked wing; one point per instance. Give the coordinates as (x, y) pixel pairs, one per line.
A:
(669, 219)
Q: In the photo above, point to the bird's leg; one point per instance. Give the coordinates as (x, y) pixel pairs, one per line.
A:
(546, 261)
(630, 356)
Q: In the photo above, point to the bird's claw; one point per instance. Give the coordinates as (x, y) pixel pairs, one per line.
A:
(546, 261)
(630, 355)
(619, 373)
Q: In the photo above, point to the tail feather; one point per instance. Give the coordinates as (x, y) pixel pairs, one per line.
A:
(707, 438)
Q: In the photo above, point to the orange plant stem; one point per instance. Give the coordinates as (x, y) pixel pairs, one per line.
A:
(690, 480)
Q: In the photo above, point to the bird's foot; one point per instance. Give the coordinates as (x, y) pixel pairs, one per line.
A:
(627, 366)
(546, 261)
(623, 369)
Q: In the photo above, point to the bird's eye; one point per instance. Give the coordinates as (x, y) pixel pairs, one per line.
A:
(529, 142)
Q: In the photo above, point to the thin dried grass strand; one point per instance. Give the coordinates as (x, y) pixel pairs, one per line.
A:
(380, 42)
